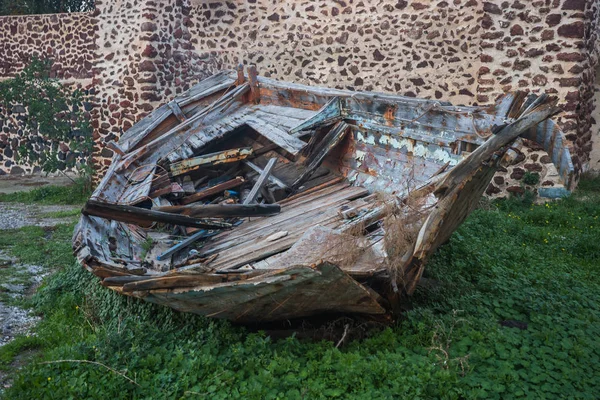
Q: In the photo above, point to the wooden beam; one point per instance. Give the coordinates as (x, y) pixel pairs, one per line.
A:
(272, 178)
(223, 210)
(177, 110)
(221, 157)
(332, 139)
(185, 243)
(141, 216)
(115, 147)
(262, 179)
(213, 190)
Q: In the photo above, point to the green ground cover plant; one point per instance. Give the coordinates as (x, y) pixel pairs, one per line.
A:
(511, 310)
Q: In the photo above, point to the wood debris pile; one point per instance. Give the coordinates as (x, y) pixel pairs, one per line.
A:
(254, 200)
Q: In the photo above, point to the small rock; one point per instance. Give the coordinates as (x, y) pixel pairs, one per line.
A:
(13, 288)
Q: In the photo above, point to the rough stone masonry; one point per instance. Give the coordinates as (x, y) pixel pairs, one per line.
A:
(133, 55)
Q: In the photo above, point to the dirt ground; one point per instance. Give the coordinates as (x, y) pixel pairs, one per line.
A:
(15, 183)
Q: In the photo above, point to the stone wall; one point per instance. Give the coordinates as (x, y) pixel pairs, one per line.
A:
(595, 153)
(425, 49)
(540, 46)
(145, 57)
(144, 52)
(67, 39)
(463, 51)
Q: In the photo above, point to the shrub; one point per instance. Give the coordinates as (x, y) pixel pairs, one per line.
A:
(55, 116)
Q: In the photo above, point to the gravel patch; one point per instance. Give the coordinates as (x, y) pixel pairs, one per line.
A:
(15, 321)
(17, 215)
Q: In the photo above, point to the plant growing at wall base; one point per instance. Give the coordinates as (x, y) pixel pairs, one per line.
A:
(54, 120)
(531, 178)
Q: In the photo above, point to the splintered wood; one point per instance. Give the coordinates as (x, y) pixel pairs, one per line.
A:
(255, 200)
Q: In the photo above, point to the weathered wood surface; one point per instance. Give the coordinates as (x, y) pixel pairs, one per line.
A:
(167, 282)
(254, 96)
(329, 113)
(282, 294)
(312, 190)
(216, 83)
(248, 244)
(265, 227)
(174, 106)
(460, 189)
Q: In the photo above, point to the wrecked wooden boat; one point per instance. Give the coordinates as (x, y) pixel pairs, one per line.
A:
(255, 200)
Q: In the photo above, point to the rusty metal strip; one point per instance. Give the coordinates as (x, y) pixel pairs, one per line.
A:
(221, 157)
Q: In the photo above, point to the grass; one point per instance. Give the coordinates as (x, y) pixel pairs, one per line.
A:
(76, 212)
(77, 193)
(511, 264)
(49, 247)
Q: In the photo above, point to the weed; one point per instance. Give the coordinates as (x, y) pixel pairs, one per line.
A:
(531, 178)
(146, 247)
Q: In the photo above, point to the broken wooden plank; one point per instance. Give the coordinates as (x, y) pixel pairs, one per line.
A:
(213, 190)
(272, 178)
(332, 139)
(254, 96)
(223, 210)
(166, 282)
(262, 179)
(124, 279)
(328, 114)
(141, 216)
(221, 157)
(281, 138)
(139, 131)
(219, 81)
